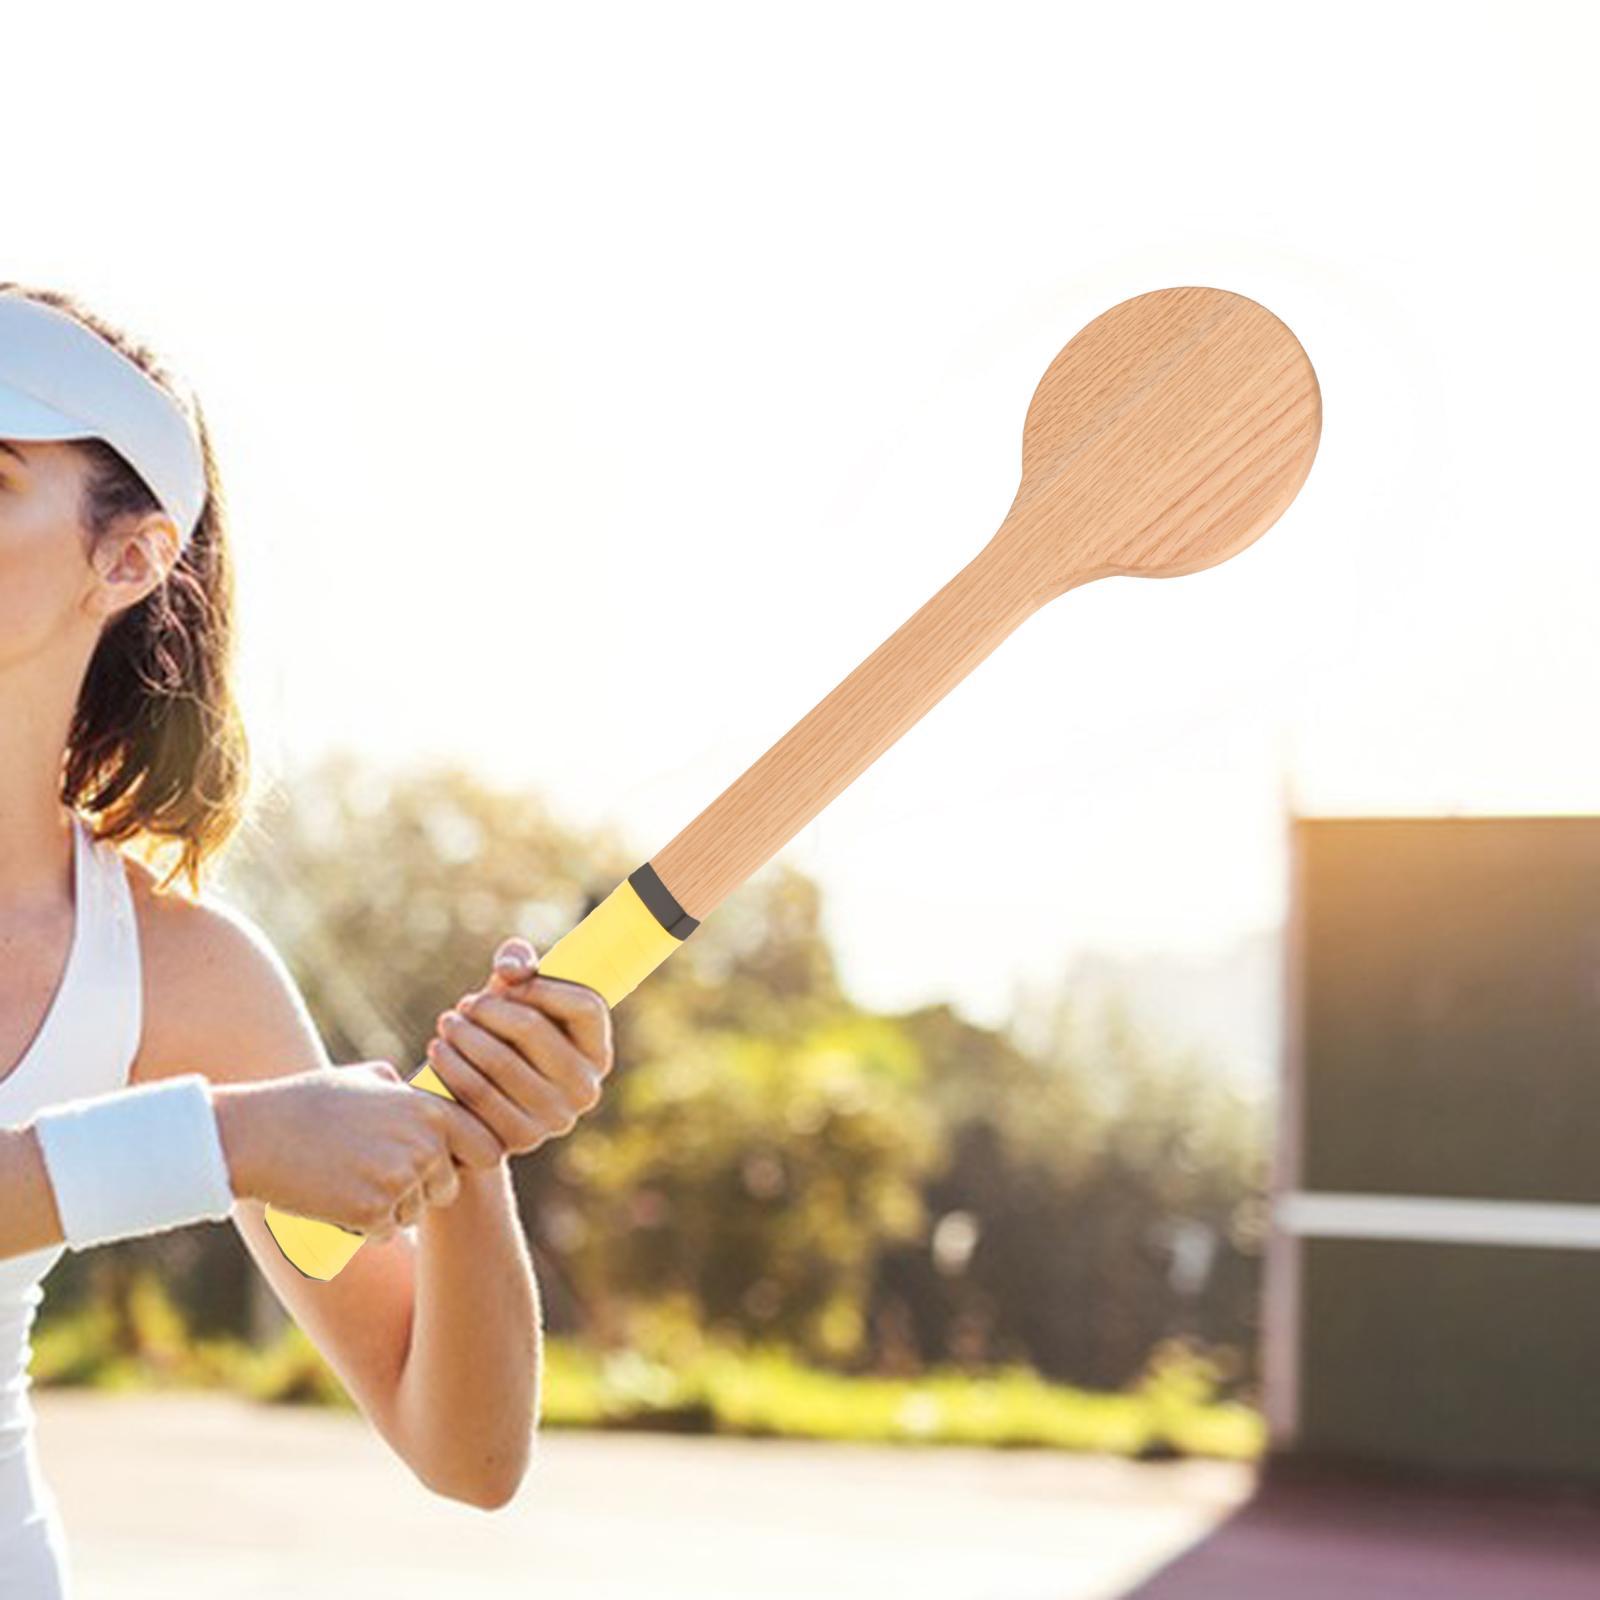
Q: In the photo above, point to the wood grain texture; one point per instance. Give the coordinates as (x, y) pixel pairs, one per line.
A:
(1164, 438)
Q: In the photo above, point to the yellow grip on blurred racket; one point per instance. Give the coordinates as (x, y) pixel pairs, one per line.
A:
(624, 939)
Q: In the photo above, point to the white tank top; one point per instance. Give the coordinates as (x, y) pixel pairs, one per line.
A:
(85, 1046)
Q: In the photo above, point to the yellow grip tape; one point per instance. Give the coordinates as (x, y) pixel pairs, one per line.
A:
(612, 951)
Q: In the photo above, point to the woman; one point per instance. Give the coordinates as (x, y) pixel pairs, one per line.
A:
(116, 705)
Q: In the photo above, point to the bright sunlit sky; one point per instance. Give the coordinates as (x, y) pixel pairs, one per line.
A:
(595, 386)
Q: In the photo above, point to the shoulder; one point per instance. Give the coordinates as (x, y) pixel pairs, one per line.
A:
(218, 996)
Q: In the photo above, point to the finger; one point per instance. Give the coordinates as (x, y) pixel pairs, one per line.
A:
(582, 1011)
(515, 1123)
(521, 1085)
(472, 1141)
(440, 1185)
(517, 950)
(554, 1010)
(378, 1223)
(384, 1218)
(514, 960)
(505, 1038)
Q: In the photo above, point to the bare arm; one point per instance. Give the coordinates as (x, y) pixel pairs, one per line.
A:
(468, 1395)
(454, 1401)
(28, 1219)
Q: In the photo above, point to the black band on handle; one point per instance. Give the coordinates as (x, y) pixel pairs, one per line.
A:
(658, 899)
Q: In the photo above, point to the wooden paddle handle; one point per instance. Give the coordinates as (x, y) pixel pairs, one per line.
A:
(845, 732)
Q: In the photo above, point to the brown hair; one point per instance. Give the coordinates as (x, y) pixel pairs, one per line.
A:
(157, 747)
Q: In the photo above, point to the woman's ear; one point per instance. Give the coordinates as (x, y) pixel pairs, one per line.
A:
(132, 561)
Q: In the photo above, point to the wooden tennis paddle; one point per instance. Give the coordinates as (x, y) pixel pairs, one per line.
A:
(1173, 431)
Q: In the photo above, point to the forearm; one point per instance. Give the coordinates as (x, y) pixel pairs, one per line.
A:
(28, 1219)
(468, 1393)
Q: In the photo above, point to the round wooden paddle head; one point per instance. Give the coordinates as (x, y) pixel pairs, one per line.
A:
(1170, 433)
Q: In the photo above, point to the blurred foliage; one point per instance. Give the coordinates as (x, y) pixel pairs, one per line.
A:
(757, 1177)
(764, 1392)
(771, 1167)
(1109, 1197)
(760, 1392)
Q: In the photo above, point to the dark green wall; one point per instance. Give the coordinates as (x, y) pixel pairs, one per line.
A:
(1458, 1358)
(1450, 974)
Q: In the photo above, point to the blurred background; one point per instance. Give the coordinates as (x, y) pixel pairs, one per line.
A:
(1103, 1072)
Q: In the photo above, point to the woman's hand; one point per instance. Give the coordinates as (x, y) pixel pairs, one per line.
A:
(526, 1055)
(350, 1145)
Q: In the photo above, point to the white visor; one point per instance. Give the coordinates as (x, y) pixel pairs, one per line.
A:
(61, 380)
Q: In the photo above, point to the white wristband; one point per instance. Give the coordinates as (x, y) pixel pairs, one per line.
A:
(140, 1160)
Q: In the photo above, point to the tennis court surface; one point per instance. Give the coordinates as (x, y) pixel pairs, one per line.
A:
(1325, 1540)
(208, 1494)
